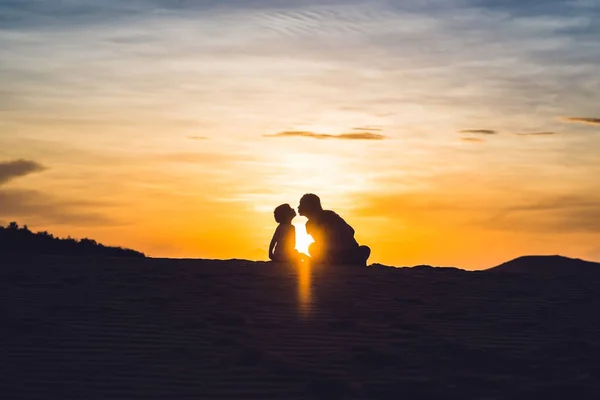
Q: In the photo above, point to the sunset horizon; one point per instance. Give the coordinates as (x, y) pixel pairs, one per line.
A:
(446, 133)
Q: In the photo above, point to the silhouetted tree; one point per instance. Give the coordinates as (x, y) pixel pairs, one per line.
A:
(17, 241)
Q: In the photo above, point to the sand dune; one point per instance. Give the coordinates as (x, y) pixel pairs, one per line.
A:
(548, 265)
(90, 328)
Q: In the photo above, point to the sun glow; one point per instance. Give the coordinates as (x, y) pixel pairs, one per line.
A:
(303, 239)
(304, 288)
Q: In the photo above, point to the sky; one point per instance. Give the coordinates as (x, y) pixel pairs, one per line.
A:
(446, 132)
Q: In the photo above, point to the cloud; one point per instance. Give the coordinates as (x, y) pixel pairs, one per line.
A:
(14, 169)
(207, 158)
(367, 129)
(547, 133)
(36, 208)
(582, 120)
(382, 38)
(343, 136)
(568, 214)
(197, 137)
(536, 7)
(472, 140)
(479, 131)
(550, 213)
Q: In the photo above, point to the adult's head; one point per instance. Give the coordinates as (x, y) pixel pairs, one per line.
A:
(310, 205)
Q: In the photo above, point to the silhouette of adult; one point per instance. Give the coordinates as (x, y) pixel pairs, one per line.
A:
(334, 241)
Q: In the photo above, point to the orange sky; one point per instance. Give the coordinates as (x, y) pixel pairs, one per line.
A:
(463, 141)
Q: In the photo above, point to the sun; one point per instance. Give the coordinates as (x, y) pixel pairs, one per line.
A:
(303, 239)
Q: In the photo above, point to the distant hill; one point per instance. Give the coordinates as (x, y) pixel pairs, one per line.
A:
(15, 240)
(555, 265)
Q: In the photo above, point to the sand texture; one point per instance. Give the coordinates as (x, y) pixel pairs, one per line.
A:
(197, 329)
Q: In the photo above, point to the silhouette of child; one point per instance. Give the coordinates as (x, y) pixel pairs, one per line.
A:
(283, 244)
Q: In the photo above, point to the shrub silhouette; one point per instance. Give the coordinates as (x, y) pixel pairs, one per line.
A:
(15, 240)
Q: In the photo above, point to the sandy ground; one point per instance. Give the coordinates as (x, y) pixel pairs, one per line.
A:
(168, 329)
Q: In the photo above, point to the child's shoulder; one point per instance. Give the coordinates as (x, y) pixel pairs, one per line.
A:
(285, 227)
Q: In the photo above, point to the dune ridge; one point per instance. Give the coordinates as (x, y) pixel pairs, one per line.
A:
(553, 264)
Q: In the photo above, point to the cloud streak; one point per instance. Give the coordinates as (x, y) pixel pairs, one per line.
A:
(35, 207)
(367, 129)
(568, 214)
(39, 208)
(544, 214)
(479, 131)
(472, 140)
(343, 136)
(546, 133)
(582, 120)
(13, 169)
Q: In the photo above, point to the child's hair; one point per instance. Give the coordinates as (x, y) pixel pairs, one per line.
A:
(281, 213)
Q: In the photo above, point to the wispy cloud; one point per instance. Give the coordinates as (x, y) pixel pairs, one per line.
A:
(14, 169)
(206, 158)
(197, 137)
(543, 214)
(368, 129)
(343, 136)
(479, 131)
(472, 140)
(567, 213)
(582, 120)
(546, 133)
(34, 207)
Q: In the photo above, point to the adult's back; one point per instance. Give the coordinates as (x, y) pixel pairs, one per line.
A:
(331, 231)
(334, 237)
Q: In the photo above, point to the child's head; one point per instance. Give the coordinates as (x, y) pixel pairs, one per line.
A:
(284, 214)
